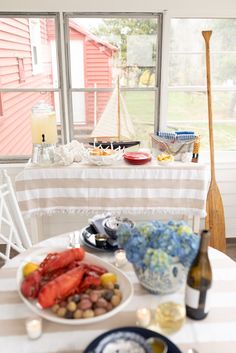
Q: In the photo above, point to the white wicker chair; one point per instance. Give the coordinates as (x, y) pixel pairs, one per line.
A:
(13, 232)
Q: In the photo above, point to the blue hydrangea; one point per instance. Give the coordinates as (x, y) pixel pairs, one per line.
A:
(154, 244)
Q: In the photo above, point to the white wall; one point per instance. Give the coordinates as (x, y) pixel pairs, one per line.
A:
(199, 8)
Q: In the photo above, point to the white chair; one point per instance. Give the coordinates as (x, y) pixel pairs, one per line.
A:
(13, 232)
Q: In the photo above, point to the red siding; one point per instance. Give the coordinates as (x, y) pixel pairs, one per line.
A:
(98, 70)
(15, 129)
(14, 44)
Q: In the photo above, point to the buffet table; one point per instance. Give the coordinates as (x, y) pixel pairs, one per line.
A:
(215, 334)
(175, 189)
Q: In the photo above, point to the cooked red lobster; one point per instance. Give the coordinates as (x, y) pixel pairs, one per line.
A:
(53, 265)
(60, 275)
(60, 287)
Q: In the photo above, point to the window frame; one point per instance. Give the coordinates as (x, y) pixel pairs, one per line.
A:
(34, 29)
(158, 63)
(201, 88)
(60, 89)
(64, 85)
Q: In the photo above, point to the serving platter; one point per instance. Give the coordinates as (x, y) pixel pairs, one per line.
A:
(38, 255)
(98, 345)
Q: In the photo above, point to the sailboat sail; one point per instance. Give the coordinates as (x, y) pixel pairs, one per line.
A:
(115, 121)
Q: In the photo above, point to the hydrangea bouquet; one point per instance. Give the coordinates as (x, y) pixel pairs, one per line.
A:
(154, 247)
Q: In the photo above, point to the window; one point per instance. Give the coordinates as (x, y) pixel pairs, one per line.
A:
(35, 39)
(187, 98)
(28, 48)
(104, 51)
(114, 57)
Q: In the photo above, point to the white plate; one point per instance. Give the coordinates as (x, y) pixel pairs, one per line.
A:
(125, 287)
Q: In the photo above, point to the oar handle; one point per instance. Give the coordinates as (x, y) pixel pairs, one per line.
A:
(207, 36)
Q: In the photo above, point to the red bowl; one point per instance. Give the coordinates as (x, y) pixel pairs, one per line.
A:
(137, 157)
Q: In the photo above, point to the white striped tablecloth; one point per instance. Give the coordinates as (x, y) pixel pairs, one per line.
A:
(215, 334)
(179, 188)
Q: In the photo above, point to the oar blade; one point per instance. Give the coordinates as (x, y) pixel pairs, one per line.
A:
(215, 218)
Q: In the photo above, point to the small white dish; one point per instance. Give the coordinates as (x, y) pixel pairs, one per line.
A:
(109, 159)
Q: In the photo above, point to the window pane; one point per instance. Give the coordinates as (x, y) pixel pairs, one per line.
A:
(137, 115)
(15, 131)
(187, 100)
(101, 51)
(28, 53)
(188, 110)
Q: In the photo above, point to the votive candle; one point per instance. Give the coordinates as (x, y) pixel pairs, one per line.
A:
(143, 317)
(34, 327)
(120, 258)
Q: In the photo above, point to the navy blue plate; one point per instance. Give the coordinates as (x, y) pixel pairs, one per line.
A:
(145, 333)
(88, 238)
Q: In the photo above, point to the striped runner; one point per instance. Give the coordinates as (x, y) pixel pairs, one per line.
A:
(142, 189)
(215, 334)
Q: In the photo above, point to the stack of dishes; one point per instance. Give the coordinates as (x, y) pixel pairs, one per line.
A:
(101, 233)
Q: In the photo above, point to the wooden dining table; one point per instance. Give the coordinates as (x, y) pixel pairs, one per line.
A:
(216, 333)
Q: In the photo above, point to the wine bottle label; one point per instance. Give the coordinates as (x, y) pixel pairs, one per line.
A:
(194, 298)
(208, 301)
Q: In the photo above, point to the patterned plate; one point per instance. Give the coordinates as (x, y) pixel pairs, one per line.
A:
(108, 342)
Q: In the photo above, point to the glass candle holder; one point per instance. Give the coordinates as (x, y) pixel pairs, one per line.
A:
(143, 317)
(120, 258)
(33, 327)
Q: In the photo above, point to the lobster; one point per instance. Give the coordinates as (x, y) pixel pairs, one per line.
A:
(60, 287)
(76, 280)
(54, 261)
(52, 266)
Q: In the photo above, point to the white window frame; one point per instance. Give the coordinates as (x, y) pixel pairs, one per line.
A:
(157, 89)
(61, 90)
(222, 157)
(36, 45)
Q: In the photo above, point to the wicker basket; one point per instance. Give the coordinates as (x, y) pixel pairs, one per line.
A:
(181, 150)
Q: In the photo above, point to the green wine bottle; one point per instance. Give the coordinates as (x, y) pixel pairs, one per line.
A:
(199, 281)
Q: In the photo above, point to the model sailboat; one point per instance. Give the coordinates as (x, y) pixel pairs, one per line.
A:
(115, 125)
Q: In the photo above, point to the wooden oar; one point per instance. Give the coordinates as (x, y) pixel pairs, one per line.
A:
(215, 221)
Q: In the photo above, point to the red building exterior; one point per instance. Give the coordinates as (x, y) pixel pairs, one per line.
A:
(17, 71)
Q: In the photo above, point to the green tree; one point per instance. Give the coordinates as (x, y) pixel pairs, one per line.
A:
(116, 31)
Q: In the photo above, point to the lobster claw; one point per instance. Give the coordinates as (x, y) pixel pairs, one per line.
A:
(31, 285)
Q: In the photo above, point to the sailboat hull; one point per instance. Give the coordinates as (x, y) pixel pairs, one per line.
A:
(115, 144)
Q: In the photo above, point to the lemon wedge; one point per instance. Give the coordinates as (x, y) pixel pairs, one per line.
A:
(108, 277)
(29, 268)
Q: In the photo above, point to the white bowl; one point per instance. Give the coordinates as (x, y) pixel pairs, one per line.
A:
(109, 159)
(125, 287)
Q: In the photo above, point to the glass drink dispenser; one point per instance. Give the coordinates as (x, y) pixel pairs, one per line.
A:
(44, 133)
